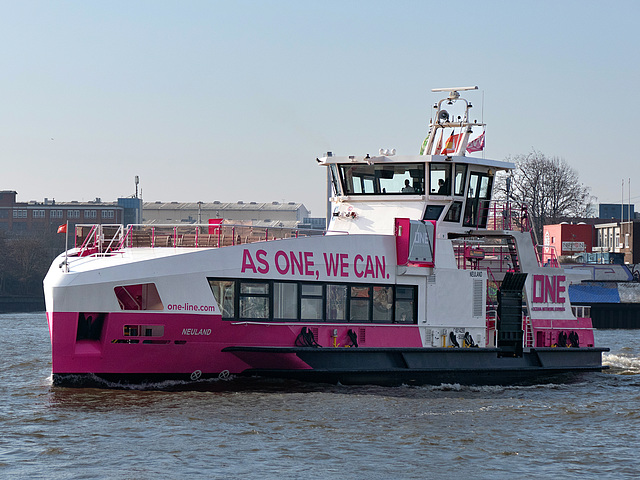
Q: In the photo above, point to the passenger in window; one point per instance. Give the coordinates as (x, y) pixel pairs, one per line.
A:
(407, 187)
(442, 187)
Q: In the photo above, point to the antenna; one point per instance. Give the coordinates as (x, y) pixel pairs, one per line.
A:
(454, 89)
(137, 181)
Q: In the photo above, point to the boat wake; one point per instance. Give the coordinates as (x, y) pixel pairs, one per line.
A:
(93, 381)
(622, 364)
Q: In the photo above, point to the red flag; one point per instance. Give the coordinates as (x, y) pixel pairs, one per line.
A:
(62, 228)
(451, 145)
(477, 144)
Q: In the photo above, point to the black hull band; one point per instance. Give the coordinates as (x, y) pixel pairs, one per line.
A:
(377, 366)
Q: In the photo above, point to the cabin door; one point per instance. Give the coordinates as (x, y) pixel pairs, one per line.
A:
(478, 199)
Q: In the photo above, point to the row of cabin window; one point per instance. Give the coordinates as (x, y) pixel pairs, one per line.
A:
(358, 179)
(292, 301)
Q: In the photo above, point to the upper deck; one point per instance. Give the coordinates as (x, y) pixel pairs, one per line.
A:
(441, 184)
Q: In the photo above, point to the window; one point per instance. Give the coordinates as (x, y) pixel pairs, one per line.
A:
(143, 296)
(55, 213)
(335, 180)
(285, 301)
(73, 214)
(336, 302)
(478, 199)
(382, 304)
(316, 302)
(461, 173)
(440, 179)
(254, 300)
(432, 212)
(89, 214)
(106, 213)
(405, 304)
(38, 214)
(453, 215)
(19, 214)
(360, 303)
(223, 291)
(311, 301)
(364, 179)
(143, 330)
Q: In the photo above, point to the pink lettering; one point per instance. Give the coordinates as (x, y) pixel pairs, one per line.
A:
(331, 264)
(260, 254)
(344, 265)
(368, 271)
(308, 263)
(247, 262)
(359, 274)
(550, 289)
(285, 269)
(538, 289)
(560, 289)
(296, 262)
(381, 267)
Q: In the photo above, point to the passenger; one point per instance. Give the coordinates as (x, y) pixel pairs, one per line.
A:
(442, 188)
(407, 187)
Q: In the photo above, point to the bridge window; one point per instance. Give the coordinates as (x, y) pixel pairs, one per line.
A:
(461, 173)
(440, 179)
(381, 179)
(478, 199)
(453, 215)
(432, 212)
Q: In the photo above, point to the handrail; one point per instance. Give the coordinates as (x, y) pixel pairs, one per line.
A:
(96, 241)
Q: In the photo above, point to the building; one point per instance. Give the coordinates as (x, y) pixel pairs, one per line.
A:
(289, 214)
(24, 217)
(568, 239)
(613, 211)
(619, 238)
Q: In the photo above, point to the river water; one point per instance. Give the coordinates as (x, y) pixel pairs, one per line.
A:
(588, 429)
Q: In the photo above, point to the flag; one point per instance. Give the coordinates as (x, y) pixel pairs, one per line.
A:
(477, 144)
(451, 145)
(62, 228)
(424, 144)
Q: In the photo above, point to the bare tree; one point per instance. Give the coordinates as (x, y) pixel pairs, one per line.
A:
(548, 186)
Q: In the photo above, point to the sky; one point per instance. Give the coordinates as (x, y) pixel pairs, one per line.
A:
(234, 100)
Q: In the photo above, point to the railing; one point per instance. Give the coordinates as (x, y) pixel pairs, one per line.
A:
(106, 239)
(496, 215)
(547, 256)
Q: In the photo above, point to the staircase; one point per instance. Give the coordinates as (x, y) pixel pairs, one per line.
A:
(513, 253)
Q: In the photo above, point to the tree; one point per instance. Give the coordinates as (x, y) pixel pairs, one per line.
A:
(548, 186)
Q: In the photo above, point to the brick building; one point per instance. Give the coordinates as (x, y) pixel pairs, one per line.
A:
(569, 239)
(23, 217)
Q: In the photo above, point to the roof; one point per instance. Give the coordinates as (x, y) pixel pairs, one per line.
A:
(273, 206)
(594, 292)
(416, 159)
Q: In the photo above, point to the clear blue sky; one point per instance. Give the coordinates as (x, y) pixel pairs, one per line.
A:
(234, 100)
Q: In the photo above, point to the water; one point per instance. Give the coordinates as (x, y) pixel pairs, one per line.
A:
(589, 429)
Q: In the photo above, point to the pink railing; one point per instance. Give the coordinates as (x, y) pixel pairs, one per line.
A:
(106, 239)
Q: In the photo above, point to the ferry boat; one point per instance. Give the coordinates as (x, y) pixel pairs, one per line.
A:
(420, 278)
